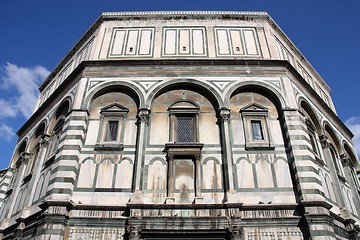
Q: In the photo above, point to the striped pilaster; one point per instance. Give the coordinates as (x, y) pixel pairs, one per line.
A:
(5, 184)
(320, 227)
(64, 168)
(302, 161)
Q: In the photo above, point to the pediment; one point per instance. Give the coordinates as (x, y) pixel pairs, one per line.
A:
(114, 107)
(254, 107)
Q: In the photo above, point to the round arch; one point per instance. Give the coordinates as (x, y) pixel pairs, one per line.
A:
(125, 87)
(189, 84)
(328, 130)
(304, 104)
(62, 109)
(20, 149)
(259, 87)
(351, 154)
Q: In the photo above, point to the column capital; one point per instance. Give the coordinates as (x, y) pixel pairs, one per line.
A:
(324, 141)
(143, 115)
(224, 114)
(44, 141)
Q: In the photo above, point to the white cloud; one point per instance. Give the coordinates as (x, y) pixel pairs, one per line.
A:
(6, 109)
(20, 86)
(24, 83)
(353, 124)
(6, 132)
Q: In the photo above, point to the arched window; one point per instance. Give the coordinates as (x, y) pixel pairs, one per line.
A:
(184, 117)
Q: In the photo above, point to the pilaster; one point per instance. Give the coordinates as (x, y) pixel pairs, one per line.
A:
(224, 120)
(302, 163)
(142, 123)
(66, 162)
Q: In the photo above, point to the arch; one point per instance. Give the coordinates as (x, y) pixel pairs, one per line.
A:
(309, 112)
(151, 162)
(350, 152)
(126, 159)
(258, 87)
(64, 107)
(211, 159)
(88, 159)
(107, 159)
(187, 84)
(20, 149)
(330, 132)
(114, 86)
(243, 158)
(61, 111)
(192, 103)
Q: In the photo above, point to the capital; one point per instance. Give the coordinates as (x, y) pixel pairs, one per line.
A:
(224, 114)
(143, 115)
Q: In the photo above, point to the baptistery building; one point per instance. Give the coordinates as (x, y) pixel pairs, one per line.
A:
(182, 125)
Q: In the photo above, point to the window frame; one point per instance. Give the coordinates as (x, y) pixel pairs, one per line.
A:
(116, 113)
(255, 112)
(191, 110)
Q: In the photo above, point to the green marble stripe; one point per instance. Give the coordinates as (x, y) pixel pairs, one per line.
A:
(59, 191)
(309, 180)
(51, 232)
(92, 190)
(81, 128)
(70, 147)
(324, 233)
(62, 180)
(65, 169)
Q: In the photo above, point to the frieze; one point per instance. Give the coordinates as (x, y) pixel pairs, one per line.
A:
(96, 213)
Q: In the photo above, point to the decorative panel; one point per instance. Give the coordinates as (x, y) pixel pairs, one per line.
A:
(132, 42)
(236, 42)
(184, 41)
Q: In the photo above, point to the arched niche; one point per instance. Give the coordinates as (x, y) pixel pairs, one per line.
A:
(184, 100)
(19, 151)
(113, 108)
(332, 138)
(255, 118)
(186, 84)
(309, 114)
(60, 113)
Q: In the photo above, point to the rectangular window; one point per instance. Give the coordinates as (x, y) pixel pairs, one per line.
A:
(313, 143)
(112, 131)
(185, 129)
(256, 129)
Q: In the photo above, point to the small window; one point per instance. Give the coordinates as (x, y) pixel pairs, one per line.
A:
(112, 131)
(111, 128)
(312, 136)
(184, 121)
(131, 49)
(184, 129)
(256, 129)
(184, 48)
(238, 49)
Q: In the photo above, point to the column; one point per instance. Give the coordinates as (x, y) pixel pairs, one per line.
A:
(347, 165)
(43, 147)
(330, 163)
(197, 176)
(227, 153)
(170, 177)
(143, 121)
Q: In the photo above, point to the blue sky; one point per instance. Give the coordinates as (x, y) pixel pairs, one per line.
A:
(36, 35)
